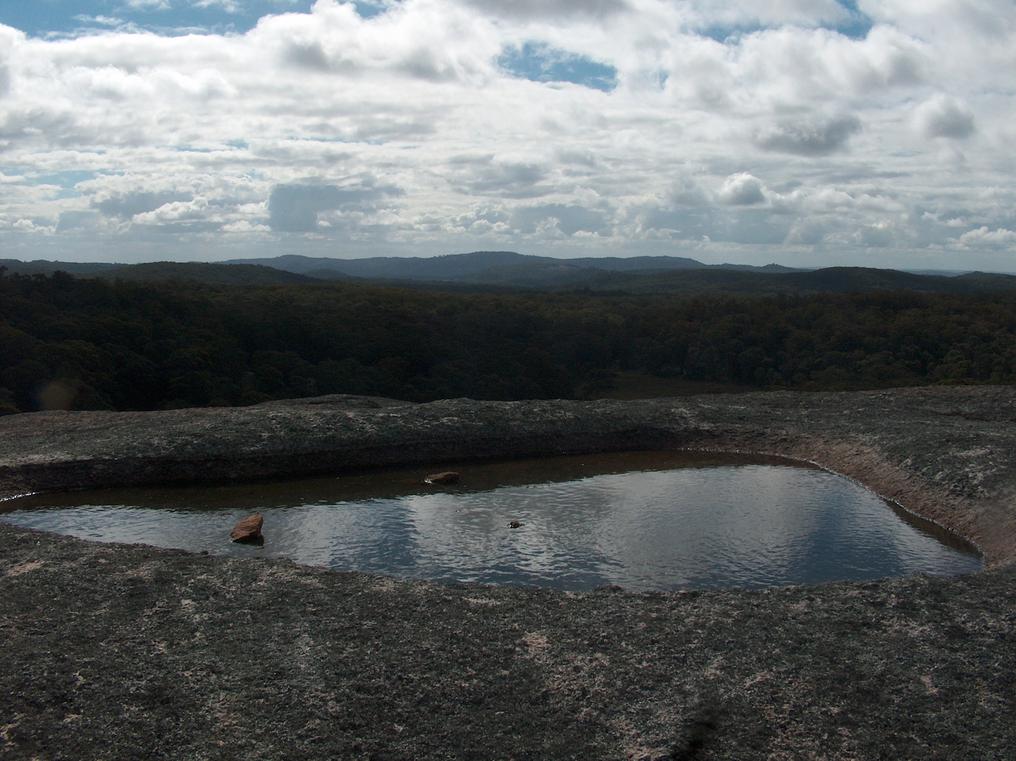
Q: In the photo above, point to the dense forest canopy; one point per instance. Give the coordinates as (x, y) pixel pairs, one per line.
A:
(94, 344)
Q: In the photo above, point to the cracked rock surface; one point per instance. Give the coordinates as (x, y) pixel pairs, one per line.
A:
(113, 651)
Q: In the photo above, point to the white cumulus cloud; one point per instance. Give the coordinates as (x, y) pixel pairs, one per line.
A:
(732, 130)
(742, 189)
(984, 237)
(944, 116)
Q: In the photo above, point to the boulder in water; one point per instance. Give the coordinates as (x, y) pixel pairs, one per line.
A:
(248, 530)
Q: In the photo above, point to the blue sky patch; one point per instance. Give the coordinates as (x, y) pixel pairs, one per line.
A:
(41, 18)
(539, 62)
(368, 9)
(856, 26)
(859, 25)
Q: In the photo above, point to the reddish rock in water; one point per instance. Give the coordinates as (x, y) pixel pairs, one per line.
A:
(448, 477)
(248, 531)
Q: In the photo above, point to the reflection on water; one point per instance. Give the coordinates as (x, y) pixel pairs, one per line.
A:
(644, 521)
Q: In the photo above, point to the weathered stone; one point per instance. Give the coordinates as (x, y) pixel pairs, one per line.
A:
(248, 530)
(117, 650)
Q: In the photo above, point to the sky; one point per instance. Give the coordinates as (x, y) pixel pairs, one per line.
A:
(805, 132)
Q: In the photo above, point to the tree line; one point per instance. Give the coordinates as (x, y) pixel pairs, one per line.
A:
(91, 344)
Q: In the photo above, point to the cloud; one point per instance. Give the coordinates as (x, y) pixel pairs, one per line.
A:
(486, 220)
(505, 178)
(107, 21)
(808, 67)
(809, 137)
(128, 205)
(879, 235)
(687, 192)
(990, 19)
(297, 208)
(408, 129)
(566, 218)
(983, 237)
(29, 226)
(229, 6)
(175, 212)
(149, 5)
(741, 189)
(807, 232)
(244, 227)
(10, 39)
(718, 14)
(944, 116)
(78, 220)
(549, 9)
(42, 123)
(422, 41)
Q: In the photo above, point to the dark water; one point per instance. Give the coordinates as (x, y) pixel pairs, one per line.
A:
(644, 521)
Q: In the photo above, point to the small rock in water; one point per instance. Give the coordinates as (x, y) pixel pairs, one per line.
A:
(514, 524)
(248, 531)
(447, 477)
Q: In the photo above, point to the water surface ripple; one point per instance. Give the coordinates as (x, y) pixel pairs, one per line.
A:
(664, 522)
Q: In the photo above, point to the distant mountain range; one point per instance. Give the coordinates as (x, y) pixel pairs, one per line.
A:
(491, 267)
(510, 270)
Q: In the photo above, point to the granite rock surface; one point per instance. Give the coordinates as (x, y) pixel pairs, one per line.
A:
(113, 651)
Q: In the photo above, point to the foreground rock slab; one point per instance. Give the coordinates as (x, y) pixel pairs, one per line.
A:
(114, 651)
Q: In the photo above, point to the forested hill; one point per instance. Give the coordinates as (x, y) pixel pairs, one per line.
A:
(89, 343)
(828, 280)
(46, 267)
(200, 272)
(212, 274)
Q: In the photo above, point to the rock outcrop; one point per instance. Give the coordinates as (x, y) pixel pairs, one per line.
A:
(117, 651)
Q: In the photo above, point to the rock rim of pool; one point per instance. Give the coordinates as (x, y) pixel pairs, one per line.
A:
(174, 655)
